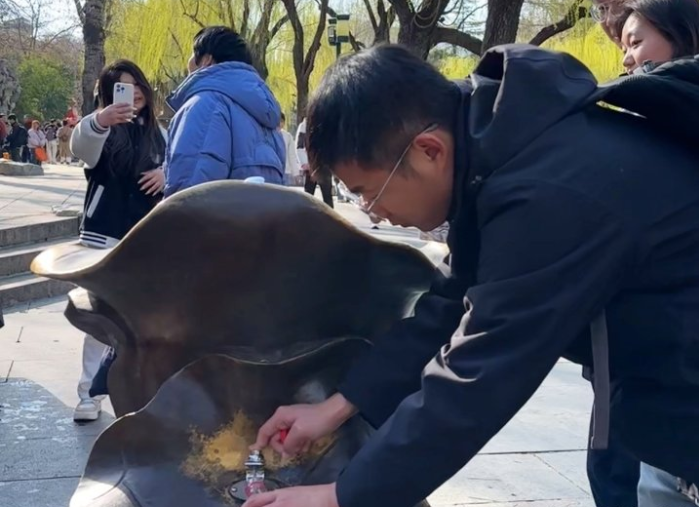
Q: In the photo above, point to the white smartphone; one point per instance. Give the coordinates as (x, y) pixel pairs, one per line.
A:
(123, 93)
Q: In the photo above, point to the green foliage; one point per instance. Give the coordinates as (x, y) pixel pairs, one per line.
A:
(157, 35)
(590, 45)
(47, 88)
(456, 67)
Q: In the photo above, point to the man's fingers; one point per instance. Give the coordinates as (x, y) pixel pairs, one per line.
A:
(269, 429)
(276, 444)
(294, 442)
(262, 499)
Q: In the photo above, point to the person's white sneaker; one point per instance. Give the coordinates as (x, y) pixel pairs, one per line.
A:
(87, 410)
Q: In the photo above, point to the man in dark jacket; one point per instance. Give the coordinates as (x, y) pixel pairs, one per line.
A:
(17, 140)
(574, 233)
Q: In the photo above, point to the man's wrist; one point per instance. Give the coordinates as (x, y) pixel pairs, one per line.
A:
(340, 409)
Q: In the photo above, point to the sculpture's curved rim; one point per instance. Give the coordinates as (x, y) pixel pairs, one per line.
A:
(67, 262)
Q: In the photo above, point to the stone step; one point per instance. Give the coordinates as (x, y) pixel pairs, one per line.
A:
(26, 287)
(17, 259)
(37, 230)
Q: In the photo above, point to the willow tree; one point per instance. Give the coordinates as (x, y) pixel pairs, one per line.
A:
(158, 33)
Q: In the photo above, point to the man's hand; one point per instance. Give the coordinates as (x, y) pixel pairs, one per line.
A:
(308, 496)
(152, 182)
(115, 114)
(305, 424)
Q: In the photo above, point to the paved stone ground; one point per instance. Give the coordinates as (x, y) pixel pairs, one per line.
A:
(27, 198)
(538, 460)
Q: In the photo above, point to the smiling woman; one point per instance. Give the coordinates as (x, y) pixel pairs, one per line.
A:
(656, 31)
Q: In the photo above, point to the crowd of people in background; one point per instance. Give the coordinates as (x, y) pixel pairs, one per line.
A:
(32, 142)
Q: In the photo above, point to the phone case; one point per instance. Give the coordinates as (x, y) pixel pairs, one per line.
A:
(123, 93)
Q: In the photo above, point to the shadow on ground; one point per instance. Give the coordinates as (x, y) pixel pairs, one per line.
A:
(43, 451)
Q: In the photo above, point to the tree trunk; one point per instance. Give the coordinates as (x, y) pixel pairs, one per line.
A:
(93, 39)
(302, 93)
(304, 59)
(502, 22)
(417, 29)
(418, 39)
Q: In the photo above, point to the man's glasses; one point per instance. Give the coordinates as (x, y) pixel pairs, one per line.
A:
(368, 205)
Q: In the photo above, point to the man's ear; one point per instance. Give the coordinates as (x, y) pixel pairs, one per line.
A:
(430, 144)
(206, 61)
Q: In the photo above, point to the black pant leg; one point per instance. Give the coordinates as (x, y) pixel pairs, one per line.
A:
(309, 186)
(326, 188)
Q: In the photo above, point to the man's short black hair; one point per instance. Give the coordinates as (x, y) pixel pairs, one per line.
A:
(370, 104)
(12, 117)
(223, 44)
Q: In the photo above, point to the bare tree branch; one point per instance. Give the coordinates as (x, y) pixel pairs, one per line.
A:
(58, 35)
(246, 18)
(309, 61)
(458, 38)
(194, 17)
(576, 11)
(372, 16)
(404, 9)
(177, 44)
(79, 8)
(278, 26)
(356, 45)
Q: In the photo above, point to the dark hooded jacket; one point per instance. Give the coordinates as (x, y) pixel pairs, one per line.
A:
(562, 211)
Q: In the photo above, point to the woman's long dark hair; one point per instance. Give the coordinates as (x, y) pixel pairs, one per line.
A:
(676, 20)
(121, 144)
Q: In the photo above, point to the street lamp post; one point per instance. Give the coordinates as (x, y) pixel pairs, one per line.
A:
(338, 32)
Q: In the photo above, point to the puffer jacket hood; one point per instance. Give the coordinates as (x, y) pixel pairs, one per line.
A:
(239, 82)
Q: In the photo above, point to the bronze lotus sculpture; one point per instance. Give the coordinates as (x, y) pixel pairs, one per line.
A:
(225, 302)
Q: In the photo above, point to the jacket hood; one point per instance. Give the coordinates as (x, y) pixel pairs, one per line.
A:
(519, 91)
(667, 96)
(239, 82)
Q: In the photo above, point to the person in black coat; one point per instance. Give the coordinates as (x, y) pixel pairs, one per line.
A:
(17, 140)
(574, 232)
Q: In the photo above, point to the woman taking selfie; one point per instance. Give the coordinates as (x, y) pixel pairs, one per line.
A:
(123, 148)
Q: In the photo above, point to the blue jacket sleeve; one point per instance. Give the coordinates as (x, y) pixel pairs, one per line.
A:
(538, 286)
(199, 148)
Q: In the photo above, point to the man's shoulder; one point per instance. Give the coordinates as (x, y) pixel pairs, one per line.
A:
(204, 99)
